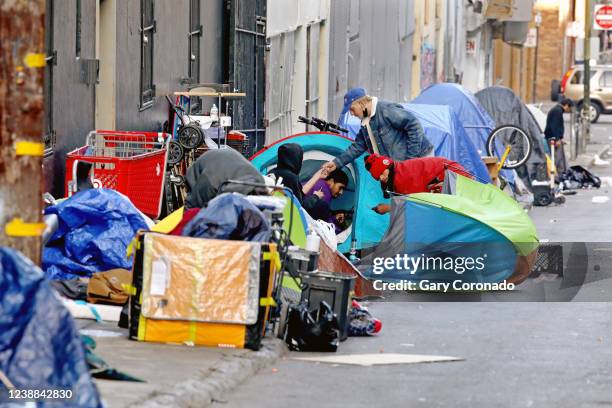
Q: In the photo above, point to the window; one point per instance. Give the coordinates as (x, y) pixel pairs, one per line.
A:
(606, 79)
(578, 77)
(147, 29)
(195, 32)
(313, 33)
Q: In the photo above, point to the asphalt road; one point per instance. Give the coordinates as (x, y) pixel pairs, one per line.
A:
(516, 354)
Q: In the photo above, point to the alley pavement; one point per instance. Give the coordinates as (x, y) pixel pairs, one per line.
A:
(516, 354)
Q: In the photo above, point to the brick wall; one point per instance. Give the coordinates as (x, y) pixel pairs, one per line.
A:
(550, 52)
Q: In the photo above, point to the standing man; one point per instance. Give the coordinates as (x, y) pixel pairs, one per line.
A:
(555, 129)
(386, 128)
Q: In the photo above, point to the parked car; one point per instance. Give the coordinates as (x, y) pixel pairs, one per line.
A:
(571, 86)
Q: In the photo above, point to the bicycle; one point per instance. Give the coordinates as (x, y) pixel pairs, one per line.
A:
(511, 144)
(322, 125)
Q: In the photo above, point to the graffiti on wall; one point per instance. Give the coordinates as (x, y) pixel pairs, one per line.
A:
(428, 65)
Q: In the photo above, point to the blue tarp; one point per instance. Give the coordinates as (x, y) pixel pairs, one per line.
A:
(95, 228)
(229, 216)
(445, 131)
(40, 347)
(476, 121)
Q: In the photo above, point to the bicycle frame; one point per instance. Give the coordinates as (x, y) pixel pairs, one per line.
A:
(504, 157)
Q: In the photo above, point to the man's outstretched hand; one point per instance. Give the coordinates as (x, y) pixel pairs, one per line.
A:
(328, 168)
(382, 209)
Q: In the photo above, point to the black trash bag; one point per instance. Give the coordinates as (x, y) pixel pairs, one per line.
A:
(579, 177)
(312, 331)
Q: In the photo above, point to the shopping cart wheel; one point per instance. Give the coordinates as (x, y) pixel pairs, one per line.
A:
(190, 136)
(177, 179)
(175, 153)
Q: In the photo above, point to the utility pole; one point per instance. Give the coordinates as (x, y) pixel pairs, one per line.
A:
(538, 22)
(586, 105)
(21, 125)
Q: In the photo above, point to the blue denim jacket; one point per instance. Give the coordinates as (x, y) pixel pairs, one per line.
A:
(397, 132)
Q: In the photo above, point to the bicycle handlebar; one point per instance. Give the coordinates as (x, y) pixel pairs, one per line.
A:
(322, 125)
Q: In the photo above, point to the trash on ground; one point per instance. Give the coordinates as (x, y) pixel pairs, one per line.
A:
(100, 368)
(82, 310)
(378, 359)
(100, 333)
(109, 287)
(600, 199)
(578, 177)
(75, 289)
(606, 181)
(598, 161)
(312, 331)
(361, 321)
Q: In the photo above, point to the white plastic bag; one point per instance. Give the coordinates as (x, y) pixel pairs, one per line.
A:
(326, 231)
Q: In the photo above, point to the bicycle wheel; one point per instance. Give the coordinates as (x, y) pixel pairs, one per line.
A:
(175, 153)
(513, 140)
(190, 136)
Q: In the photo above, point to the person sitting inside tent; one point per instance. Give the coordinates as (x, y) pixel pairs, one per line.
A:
(421, 175)
(317, 203)
(288, 168)
(326, 189)
(386, 128)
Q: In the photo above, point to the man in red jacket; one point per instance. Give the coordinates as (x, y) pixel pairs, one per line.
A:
(419, 175)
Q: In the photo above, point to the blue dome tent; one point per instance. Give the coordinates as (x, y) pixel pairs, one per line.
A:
(475, 119)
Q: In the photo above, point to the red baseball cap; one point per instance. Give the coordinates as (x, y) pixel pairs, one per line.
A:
(377, 164)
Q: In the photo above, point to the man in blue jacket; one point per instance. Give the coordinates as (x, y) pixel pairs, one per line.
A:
(386, 128)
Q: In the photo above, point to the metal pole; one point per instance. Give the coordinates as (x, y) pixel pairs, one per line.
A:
(586, 113)
(535, 68)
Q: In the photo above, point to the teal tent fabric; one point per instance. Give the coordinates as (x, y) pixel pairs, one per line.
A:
(363, 191)
(444, 241)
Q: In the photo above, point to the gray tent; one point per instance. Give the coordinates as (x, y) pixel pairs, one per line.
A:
(507, 109)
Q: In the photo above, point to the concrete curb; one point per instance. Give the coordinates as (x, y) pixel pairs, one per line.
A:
(210, 385)
(600, 154)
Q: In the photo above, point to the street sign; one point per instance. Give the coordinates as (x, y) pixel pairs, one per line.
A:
(603, 17)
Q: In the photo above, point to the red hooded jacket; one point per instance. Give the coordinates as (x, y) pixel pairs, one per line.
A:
(415, 175)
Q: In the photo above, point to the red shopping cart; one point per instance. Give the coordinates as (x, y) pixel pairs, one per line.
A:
(133, 163)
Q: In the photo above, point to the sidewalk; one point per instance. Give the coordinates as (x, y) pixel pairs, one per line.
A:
(580, 219)
(175, 375)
